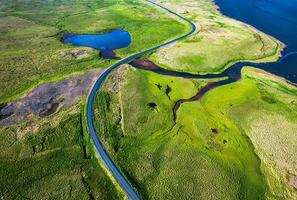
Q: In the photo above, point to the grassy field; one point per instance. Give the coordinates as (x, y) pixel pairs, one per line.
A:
(51, 160)
(237, 142)
(220, 148)
(231, 144)
(264, 108)
(31, 52)
(123, 134)
(218, 42)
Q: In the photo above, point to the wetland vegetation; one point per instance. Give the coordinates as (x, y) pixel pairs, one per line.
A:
(237, 141)
(50, 160)
(217, 147)
(45, 157)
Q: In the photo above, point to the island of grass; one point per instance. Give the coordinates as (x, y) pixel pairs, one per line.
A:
(218, 42)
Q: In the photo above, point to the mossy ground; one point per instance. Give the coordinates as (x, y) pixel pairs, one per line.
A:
(213, 151)
(218, 149)
(52, 160)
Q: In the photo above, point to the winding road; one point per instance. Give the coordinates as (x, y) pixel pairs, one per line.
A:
(99, 149)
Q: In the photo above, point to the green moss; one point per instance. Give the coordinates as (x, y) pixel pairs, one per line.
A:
(192, 60)
(50, 164)
(160, 153)
(190, 159)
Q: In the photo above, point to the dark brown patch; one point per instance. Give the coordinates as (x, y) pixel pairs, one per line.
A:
(159, 86)
(144, 64)
(168, 90)
(53, 108)
(152, 105)
(108, 55)
(4, 115)
(214, 131)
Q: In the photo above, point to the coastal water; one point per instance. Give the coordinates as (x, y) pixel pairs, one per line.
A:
(106, 42)
(277, 18)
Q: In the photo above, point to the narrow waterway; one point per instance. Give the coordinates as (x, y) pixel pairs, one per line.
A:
(232, 74)
(276, 18)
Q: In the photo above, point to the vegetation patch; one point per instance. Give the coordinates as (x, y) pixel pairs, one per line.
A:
(212, 137)
(50, 162)
(217, 43)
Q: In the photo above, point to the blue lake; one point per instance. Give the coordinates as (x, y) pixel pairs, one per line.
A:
(106, 42)
(277, 18)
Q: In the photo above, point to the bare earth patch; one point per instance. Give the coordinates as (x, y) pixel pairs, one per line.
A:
(293, 181)
(48, 98)
(76, 53)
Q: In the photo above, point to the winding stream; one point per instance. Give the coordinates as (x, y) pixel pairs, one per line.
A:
(232, 73)
(277, 18)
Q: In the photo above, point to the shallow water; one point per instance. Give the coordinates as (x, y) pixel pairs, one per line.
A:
(106, 42)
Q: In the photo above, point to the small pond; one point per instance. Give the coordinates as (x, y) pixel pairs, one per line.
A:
(106, 42)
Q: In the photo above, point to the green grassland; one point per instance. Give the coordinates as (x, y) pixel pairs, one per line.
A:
(237, 142)
(263, 108)
(226, 145)
(31, 52)
(122, 134)
(240, 160)
(51, 160)
(217, 43)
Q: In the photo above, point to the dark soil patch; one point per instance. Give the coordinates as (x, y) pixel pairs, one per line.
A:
(268, 99)
(214, 131)
(52, 109)
(159, 86)
(108, 55)
(144, 63)
(152, 106)
(167, 91)
(47, 98)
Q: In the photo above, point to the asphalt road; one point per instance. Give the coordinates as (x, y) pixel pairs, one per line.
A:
(99, 149)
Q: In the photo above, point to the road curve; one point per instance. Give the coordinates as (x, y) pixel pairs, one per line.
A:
(99, 149)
